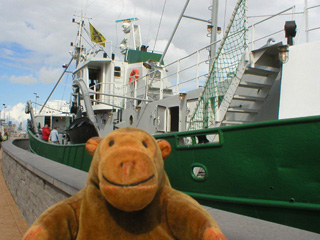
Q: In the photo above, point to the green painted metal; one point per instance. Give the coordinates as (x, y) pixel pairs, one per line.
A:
(268, 170)
(73, 155)
(135, 56)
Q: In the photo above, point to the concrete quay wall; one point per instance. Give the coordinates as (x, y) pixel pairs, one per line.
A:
(37, 183)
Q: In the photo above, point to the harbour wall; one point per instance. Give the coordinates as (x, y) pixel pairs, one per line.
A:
(37, 183)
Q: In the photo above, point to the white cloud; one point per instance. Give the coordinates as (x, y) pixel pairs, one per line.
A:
(23, 79)
(7, 52)
(175, 53)
(15, 114)
(55, 106)
(49, 75)
(39, 33)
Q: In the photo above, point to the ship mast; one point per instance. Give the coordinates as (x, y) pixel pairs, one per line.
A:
(214, 26)
(78, 49)
(213, 30)
(75, 56)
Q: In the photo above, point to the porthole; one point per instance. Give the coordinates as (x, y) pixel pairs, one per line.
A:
(199, 172)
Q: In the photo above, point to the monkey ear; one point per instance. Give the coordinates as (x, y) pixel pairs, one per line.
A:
(92, 144)
(165, 148)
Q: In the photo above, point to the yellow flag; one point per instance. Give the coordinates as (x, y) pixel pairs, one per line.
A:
(96, 36)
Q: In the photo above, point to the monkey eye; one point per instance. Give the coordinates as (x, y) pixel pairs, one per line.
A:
(111, 143)
(144, 144)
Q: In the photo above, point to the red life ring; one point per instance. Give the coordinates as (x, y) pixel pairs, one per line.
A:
(134, 75)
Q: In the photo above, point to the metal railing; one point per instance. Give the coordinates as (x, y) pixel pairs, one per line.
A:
(185, 74)
(190, 72)
(252, 28)
(306, 10)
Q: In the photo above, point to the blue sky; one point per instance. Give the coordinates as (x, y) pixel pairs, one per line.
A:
(36, 34)
(19, 76)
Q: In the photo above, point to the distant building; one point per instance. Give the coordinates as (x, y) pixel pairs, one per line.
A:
(8, 127)
(2, 123)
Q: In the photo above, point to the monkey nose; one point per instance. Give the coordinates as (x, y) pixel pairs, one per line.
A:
(127, 164)
(126, 168)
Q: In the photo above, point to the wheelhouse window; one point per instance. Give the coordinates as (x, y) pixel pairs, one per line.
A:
(117, 71)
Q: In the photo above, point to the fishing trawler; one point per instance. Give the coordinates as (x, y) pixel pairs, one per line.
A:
(244, 138)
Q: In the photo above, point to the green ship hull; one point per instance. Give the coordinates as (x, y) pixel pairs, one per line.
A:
(267, 170)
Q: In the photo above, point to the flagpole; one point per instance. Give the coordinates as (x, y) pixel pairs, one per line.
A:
(79, 47)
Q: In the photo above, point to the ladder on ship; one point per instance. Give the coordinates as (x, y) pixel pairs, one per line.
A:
(240, 82)
(247, 97)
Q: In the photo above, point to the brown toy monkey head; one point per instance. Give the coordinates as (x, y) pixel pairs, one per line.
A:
(128, 166)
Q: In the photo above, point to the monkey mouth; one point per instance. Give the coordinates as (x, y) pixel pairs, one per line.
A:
(128, 185)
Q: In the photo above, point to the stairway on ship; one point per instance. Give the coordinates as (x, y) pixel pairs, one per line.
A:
(253, 94)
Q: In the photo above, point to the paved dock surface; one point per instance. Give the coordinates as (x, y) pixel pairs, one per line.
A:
(239, 227)
(12, 223)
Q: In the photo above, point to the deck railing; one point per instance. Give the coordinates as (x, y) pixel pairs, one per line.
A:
(191, 71)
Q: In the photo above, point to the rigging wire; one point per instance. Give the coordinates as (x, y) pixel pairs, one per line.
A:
(50, 108)
(85, 11)
(89, 35)
(116, 26)
(92, 46)
(114, 46)
(91, 3)
(155, 41)
(65, 85)
(107, 8)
